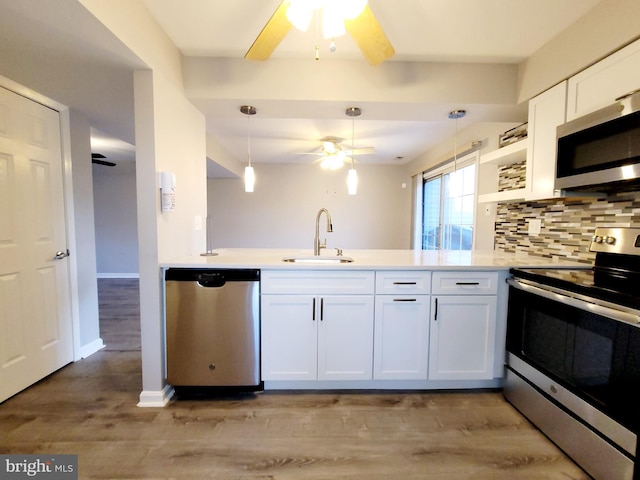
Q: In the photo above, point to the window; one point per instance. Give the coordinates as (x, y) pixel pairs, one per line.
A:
(448, 206)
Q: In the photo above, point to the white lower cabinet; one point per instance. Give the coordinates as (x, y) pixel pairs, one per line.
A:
(325, 336)
(401, 339)
(289, 337)
(379, 329)
(401, 345)
(463, 326)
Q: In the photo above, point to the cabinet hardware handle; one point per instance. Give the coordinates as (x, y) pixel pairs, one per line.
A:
(405, 283)
(627, 95)
(405, 300)
(322, 309)
(313, 311)
(467, 283)
(435, 317)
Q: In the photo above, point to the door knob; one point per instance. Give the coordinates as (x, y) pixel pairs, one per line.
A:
(60, 255)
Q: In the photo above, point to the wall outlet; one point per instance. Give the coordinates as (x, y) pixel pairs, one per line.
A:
(197, 223)
(535, 225)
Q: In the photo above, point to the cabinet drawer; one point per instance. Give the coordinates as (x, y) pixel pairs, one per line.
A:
(317, 282)
(465, 283)
(403, 282)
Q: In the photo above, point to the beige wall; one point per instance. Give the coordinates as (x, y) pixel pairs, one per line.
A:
(609, 26)
(281, 212)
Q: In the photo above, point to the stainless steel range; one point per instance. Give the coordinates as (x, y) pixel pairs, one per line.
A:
(573, 343)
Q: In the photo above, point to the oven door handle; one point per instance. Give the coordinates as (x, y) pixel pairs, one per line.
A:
(595, 308)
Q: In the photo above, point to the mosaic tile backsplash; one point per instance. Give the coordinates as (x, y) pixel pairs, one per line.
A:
(567, 224)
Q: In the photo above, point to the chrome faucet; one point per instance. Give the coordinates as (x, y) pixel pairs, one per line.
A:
(316, 242)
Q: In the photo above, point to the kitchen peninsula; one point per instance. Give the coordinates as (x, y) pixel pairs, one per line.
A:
(379, 319)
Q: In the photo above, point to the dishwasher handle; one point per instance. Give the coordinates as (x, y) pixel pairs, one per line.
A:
(212, 277)
(211, 280)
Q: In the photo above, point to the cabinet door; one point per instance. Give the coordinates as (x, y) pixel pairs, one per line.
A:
(345, 337)
(401, 337)
(603, 82)
(289, 337)
(546, 112)
(462, 337)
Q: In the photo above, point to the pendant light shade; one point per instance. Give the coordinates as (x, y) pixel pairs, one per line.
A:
(249, 179)
(352, 181)
(249, 174)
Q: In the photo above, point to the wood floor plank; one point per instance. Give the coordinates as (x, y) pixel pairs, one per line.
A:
(89, 408)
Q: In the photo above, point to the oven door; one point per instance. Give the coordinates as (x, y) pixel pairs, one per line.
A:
(580, 346)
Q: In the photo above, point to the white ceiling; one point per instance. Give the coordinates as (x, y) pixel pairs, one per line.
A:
(420, 30)
(460, 31)
(65, 38)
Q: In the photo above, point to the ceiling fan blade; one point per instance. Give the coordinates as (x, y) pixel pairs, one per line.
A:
(271, 35)
(368, 34)
(360, 151)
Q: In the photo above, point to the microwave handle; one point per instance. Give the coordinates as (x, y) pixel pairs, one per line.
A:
(595, 308)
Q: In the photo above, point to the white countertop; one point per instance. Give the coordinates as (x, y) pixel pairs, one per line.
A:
(271, 259)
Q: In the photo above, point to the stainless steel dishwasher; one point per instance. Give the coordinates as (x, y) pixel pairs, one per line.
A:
(213, 329)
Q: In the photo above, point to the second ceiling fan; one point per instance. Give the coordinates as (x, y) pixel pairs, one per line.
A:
(333, 154)
(354, 16)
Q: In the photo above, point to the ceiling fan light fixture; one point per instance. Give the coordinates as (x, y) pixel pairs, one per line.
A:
(334, 13)
(332, 162)
(300, 13)
(330, 147)
(332, 20)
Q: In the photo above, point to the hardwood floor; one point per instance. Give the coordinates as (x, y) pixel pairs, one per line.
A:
(89, 408)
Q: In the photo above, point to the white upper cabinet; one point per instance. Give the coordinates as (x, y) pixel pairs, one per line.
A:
(600, 84)
(546, 112)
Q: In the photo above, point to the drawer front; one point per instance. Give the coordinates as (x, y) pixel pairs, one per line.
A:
(465, 283)
(403, 282)
(318, 282)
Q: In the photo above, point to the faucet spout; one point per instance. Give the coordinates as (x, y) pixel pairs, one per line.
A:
(316, 242)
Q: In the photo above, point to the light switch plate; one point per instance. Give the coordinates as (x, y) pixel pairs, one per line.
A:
(197, 223)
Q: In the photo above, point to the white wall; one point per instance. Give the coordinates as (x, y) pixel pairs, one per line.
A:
(114, 194)
(170, 136)
(84, 256)
(282, 210)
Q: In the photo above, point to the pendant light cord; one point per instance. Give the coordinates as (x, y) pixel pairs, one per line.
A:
(455, 115)
(353, 135)
(249, 138)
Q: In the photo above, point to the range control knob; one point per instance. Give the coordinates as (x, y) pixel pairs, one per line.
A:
(597, 239)
(609, 240)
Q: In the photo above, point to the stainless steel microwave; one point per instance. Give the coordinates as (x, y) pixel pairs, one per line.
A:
(601, 150)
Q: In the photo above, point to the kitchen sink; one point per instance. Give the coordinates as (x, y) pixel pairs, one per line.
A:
(318, 259)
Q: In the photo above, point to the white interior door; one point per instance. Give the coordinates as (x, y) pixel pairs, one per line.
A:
(36, 336)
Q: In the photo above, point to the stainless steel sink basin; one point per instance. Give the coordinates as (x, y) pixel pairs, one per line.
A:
(318, 259)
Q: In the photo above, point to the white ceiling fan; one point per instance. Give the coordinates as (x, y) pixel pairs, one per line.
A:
(333, 154)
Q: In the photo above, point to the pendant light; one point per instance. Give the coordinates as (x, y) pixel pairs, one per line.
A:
(352, 176)
(455, 115)
(249, 174)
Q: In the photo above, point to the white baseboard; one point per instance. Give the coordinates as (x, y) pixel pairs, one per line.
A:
(91, 348)
(118, 275)
(150, 398)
